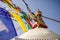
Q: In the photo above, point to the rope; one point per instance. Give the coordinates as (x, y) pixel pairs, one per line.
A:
(27, 6)
(51, 19)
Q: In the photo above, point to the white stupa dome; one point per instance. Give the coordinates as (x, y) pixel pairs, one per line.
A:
(39, 34)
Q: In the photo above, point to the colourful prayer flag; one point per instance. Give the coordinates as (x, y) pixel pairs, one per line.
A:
(17, 10)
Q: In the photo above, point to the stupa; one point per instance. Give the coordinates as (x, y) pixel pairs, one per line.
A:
(39, 33)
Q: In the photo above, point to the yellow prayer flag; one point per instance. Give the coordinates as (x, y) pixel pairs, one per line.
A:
(19, 20)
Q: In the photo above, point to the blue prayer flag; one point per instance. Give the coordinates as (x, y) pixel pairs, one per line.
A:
(7, 30)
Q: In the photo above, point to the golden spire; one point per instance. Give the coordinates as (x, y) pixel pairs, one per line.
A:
(41, 23)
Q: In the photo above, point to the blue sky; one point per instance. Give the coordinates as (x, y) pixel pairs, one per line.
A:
(49, 8)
